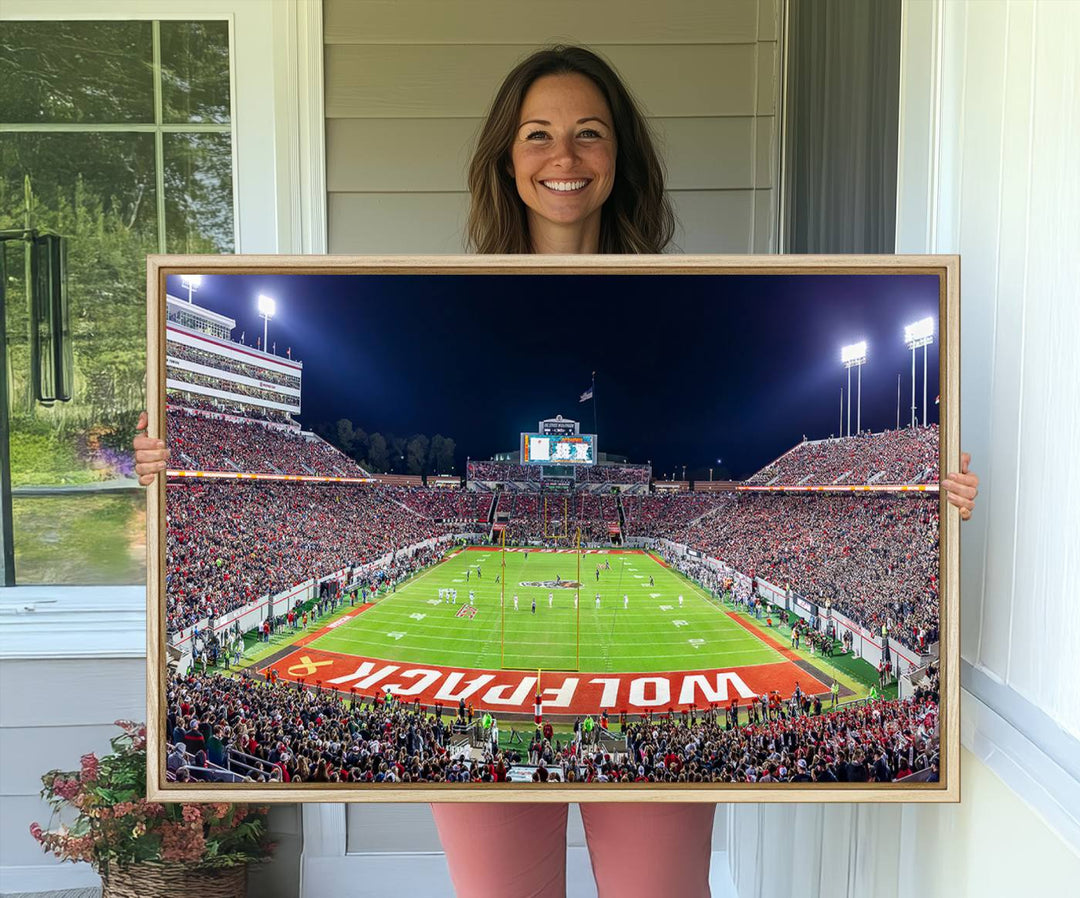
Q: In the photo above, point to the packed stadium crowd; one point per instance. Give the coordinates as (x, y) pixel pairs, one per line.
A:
(874, 557)
(590, 506)
(183, 353)
(177, 376)
(508, 472)
(594, 531)
(909, 455)
(614, 474)
(213, 444)
(449, 504)
(497, 471)
(202, 402)
(533, 520)
(880, 741)
(227, 543)
(658, 515)
(279, 732)
(526, 516)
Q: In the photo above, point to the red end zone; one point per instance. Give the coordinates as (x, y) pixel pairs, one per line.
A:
(513, 691)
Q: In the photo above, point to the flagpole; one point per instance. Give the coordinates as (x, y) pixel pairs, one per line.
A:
(594, 403)
(924, 384)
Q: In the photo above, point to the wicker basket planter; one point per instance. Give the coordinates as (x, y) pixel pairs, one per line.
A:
(172, 880)
(124, 837)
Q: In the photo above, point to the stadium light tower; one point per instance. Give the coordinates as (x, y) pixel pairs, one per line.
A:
(919, 334)
(192, 282)
(854, 356)
(267, 308)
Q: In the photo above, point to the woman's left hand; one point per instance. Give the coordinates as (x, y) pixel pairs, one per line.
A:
(962, 487)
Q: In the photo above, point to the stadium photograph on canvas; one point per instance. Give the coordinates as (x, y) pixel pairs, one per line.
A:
(480, 528)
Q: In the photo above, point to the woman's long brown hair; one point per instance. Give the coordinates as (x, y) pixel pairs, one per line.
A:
(637, 216)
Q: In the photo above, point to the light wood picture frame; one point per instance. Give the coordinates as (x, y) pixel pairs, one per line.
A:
(165, 313)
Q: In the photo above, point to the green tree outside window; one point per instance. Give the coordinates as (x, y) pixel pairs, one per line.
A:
(118, 136)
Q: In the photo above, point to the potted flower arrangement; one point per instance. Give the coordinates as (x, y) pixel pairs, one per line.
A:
(144, 848)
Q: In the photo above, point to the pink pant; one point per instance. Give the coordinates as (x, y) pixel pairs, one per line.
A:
(638, 850)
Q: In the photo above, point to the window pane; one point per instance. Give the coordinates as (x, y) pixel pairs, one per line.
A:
(76, 72)
(112, 174)
(82, 539)
(98, 191)
(78, 515)
(198, 193)
(195, 71)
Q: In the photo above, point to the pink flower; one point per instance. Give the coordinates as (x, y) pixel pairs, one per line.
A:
(81, 848)
(219, 809)
(90, 767)
(37, 832)
(181, 842)
(65, 788)
(192, 813)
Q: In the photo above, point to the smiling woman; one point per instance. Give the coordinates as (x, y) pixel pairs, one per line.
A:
(560, 118)
(563, 162)
(593, 185)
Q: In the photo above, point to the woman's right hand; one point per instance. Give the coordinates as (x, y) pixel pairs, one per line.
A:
(150, 454)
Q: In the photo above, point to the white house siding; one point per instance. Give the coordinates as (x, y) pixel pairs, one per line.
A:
(408, 83)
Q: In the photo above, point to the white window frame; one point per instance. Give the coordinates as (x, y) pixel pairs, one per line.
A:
(279, 161)
(279, 201)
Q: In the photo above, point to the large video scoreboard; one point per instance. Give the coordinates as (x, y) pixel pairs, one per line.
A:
(548, 449)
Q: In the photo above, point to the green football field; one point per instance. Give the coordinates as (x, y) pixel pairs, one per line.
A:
(652, 634)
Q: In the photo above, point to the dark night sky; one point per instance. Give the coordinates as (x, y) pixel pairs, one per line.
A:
(690, 368)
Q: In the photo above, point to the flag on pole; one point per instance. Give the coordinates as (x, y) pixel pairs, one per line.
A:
(588, 394)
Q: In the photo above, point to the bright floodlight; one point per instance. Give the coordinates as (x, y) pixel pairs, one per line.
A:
(267, 306)
(191, 282)
(919, 331)
(918, 336)
(855, 354)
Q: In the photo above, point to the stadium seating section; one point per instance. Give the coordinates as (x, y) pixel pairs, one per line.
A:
(874, 556)
(893, 456)
(204, 443)
(217, 726)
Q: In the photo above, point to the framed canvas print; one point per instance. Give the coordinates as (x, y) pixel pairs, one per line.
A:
(553, 528)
